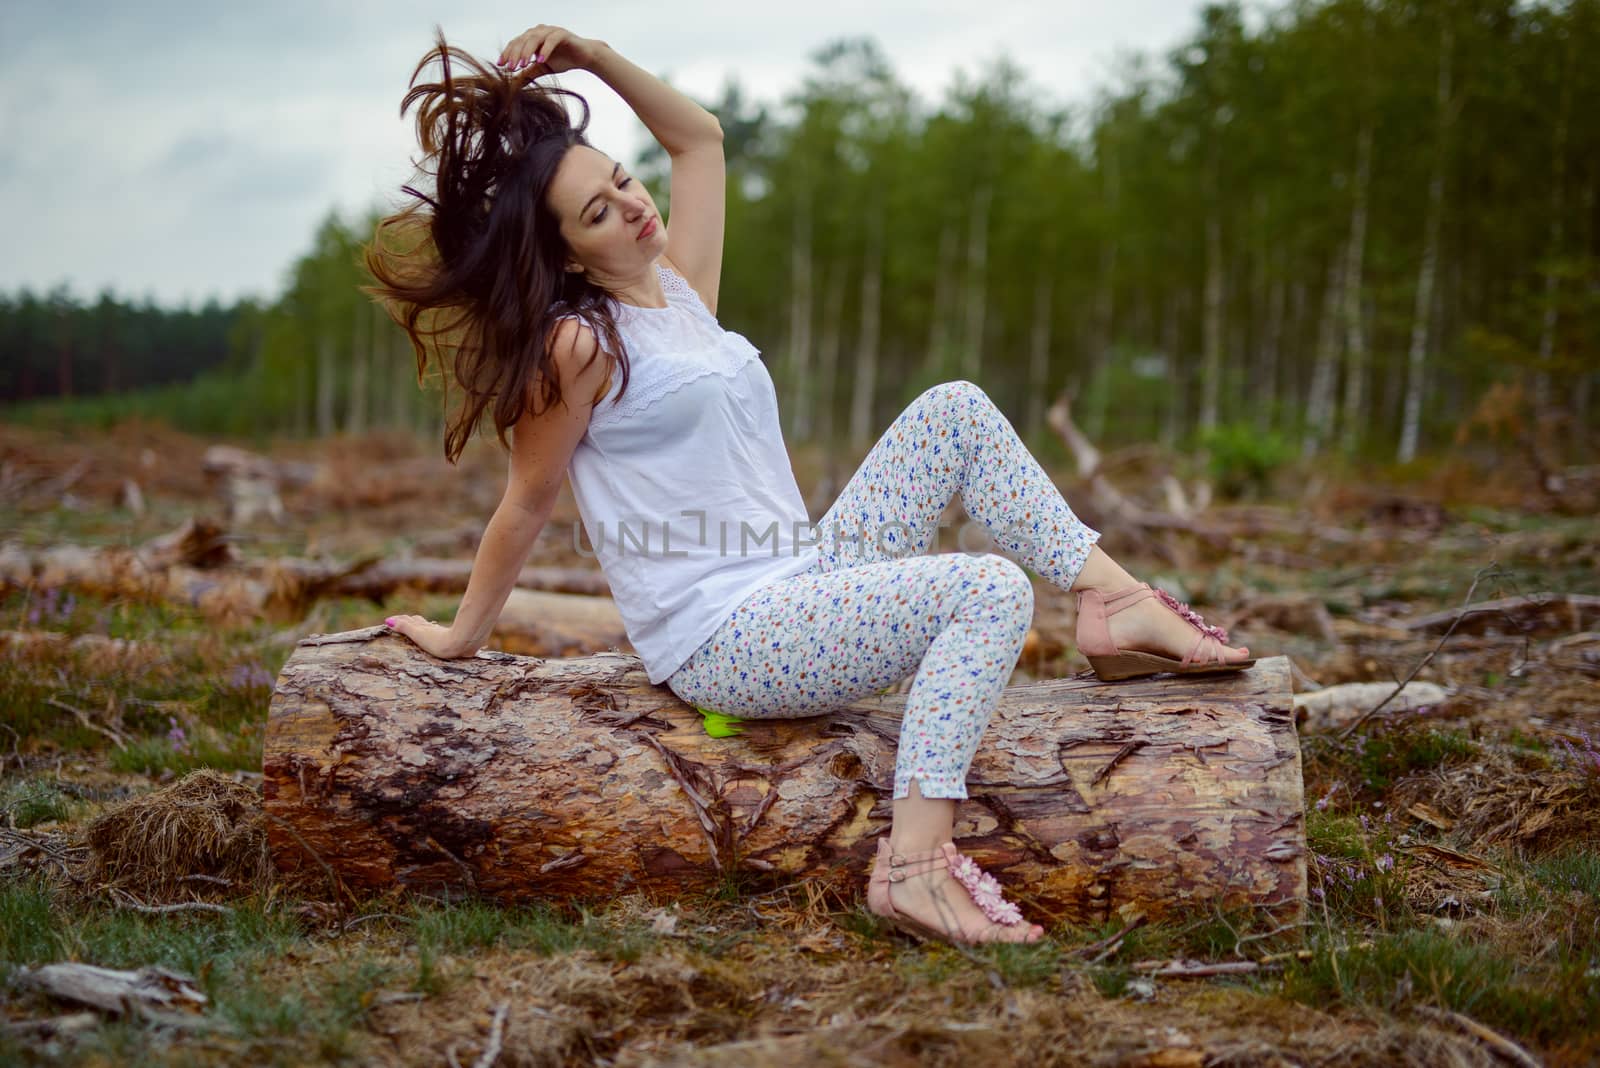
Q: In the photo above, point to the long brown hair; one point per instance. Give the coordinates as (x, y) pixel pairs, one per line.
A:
(475, 273)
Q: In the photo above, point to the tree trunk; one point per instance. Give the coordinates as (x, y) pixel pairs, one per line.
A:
(402, 377)
(828, 350)
(1319, 399)
(1290, 395)
(523, 780)
(1266, 385)
(1417, 358)
(870, 339)
(64, 368)
(977, 282)
(325, 385)
(1355, 369)
(1095, 386)
(1558, 190)
(1038, 357)
(800, 325)
(1586, 376)
(1211, 357)
(1171, 339)
(938, 316)
(355, 416)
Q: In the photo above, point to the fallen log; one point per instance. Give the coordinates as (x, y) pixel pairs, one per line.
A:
(1116, 508)
(1535, 613)
(536, 623)
(114, 991)
(1336, 706)
(197, 565)
(383, 579)
(519, 779)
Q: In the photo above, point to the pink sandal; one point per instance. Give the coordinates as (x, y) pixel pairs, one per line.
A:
(1095, 610)
(892, 867)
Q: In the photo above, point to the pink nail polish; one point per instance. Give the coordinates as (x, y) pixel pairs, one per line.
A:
(389, 622)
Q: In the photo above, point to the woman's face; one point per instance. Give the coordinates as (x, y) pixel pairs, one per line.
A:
(612, 229)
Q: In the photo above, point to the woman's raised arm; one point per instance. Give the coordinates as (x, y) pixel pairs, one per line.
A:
(691, 135)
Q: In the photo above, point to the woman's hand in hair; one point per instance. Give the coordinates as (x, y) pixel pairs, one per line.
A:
(550, 50)
(430, 637)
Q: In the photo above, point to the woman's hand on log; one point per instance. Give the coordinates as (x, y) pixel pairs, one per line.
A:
(431, 637)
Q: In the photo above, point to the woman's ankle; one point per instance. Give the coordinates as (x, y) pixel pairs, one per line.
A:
(920, 823)
(1100, 572)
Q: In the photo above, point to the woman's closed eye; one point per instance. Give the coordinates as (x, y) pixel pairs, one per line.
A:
(601, 214)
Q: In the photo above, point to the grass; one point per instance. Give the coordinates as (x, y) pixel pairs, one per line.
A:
(30, 802)
(1449, 972)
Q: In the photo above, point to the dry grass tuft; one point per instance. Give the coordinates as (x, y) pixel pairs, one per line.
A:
(203, 824)
(1505, 799)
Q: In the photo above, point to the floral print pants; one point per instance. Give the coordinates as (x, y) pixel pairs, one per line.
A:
(875, 607)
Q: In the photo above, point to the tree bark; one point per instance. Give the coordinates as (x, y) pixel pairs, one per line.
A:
(519, 779)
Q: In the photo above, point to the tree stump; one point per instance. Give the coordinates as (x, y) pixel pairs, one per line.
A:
(519, 779)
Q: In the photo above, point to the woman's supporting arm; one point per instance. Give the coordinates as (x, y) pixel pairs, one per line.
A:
(541, 449)
(506, 542)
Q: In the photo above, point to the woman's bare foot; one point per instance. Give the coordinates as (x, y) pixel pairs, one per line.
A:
(936, 900)
(1151, 627)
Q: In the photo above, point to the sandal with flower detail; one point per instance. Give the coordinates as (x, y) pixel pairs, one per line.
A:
(1111, 663)
(891, 868)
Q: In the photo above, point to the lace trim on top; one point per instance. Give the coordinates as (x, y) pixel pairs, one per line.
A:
(671, 347)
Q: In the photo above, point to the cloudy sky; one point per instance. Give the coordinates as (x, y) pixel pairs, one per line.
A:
(180, 149)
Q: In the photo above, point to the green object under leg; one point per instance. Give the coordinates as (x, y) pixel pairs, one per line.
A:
(719, 726)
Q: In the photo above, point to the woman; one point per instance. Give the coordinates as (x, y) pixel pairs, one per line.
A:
(555, 291)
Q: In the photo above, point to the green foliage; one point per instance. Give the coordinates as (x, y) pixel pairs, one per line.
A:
(1243, 458)
(58, 345)
(31, 802)
(1111, 980)
(1385, 758)
(1023, 964)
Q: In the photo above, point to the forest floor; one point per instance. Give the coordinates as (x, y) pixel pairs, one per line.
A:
(1454, 914)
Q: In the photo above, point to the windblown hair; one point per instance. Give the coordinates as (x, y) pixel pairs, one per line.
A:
(475, 273)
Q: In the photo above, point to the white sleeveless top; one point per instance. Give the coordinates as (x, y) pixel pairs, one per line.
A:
(685, 487)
